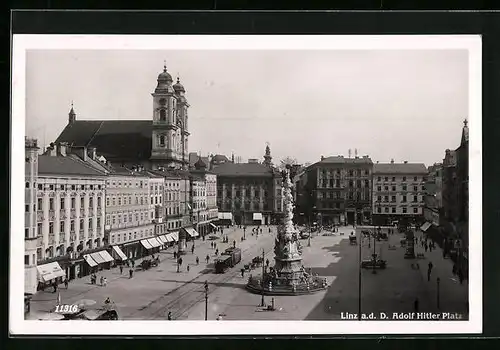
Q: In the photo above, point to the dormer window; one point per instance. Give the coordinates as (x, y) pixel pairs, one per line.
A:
(163, 115)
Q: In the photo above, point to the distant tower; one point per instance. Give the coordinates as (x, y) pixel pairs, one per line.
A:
(232, 158)
(267, 156)
(349, 153)
(71, 115)
(356, 153)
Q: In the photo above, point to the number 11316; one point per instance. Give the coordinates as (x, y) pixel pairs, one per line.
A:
(66, 308)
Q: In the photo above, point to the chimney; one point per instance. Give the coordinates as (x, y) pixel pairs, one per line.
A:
(93, 153)
(51, 150)
(63, 147)
(392, 161)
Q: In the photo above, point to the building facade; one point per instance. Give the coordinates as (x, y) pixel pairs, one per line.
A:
(30, 215)
(398, 192)
(336, 190)
(203, 197)
(70, 209)
(249, 193)
(130, 209)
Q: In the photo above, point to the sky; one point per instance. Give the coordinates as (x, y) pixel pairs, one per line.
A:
(388, 104)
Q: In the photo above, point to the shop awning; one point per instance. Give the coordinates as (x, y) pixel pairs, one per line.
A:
(145, 243)
(50, 271)
(119, 252)
(154, 242)
(106, 256)
(226, 216)
(257, 216)
(98, 258)
(215, 227)
(175, 236)
(191, 231)
(162, 239)
(89, 260)
(165, 238)
(169, 238)
(425, 226)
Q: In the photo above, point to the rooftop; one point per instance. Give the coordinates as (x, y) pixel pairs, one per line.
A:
(399, 168)
(69, 165)
(242, 169)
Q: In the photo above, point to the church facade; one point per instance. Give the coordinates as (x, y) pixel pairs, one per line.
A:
(157, 143)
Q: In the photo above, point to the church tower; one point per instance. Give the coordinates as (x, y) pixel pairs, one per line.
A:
(182, 122)
(167, 148)
(267, 156)
(71, 115)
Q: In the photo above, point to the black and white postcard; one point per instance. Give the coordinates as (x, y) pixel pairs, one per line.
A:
(194, 185)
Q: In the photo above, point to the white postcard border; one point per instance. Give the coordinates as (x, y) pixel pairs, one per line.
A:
(22, 43)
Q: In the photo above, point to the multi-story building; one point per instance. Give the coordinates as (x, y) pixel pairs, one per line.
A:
(70, 211)
(336, 190)
(204, 197)
(249, 193)
(398, 192)
(131, 212)
(30, 218)
(172, 200)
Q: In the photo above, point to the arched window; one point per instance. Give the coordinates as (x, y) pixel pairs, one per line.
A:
(163, 115)
(162, 140)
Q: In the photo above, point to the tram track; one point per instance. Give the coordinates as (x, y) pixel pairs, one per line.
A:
(187, 298)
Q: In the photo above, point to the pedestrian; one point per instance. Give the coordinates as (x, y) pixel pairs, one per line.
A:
(216, 252)
(107, 301)
(175, 255)
(102, 281)
(261, 231)
(121, 269)
(55, 286)
(197, 261)
(430, 248)
(207, 258)
(234, 243)
(429, 271)
(267, 262)
(66, 282)
(242, 272)
(180, 261)
(130, 273)
(188, 268)
(133, 263)
(426, 247)
(169, 315)
(105, 282)
(269, 230)
(192, 249)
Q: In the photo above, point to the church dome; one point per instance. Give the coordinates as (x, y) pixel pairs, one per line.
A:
(164, 76)
(178, 86)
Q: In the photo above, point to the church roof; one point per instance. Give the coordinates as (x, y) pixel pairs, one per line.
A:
(114, 139)
(242, 169)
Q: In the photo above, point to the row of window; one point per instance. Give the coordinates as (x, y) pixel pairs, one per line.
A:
(62, 226)
(53, 187)
(393, 210)
(239, 193)
(404, 188)
(386, 178)
(340, 195)
(337, 183)
(119, 218)
(62, 203)
(142, 200)
(350, 172)
(393, 199)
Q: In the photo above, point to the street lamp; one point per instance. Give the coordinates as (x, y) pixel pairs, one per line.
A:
(206, 300)
(359, 277)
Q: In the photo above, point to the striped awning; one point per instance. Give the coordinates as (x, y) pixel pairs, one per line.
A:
(174, 236)
(145, 243)
(425, 226)
(50, 271)
(89, 260)
(119, 252)
(154, 242)
(98, 258)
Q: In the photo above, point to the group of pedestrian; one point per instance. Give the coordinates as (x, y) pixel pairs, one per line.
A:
(213, 245)
(103, 281)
